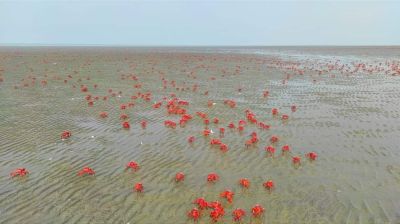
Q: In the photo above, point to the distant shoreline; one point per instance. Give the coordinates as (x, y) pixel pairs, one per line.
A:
(188, 46)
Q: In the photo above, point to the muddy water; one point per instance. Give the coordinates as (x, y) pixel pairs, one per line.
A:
(350, 120)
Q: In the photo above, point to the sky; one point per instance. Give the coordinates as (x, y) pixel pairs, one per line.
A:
(199, 23)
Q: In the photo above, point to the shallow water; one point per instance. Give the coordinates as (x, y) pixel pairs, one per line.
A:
(349, 119)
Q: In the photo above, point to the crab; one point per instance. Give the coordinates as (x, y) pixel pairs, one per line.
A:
(66, 134)
(132, 165)
(19, 172)
(257, 210)
(179, 177)
(269, 184)
(212, 177)
(238, 214)
(86, 170)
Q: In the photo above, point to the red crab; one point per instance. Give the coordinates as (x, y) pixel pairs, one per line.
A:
(19, 172)
(293, 108)
(103, 114)
(228, 194)
(285, 148)
(191, 139)
(123, 117)
(269, 184)
(270, 149)
(201, 203)
(139, 187)
(179, 177)
(254, 137)
(84, 88)
(238, 214)
(194, 214)
(248, 143)
(215, 141)
(212, 177)
(86, 170)
(217, 212)
(215, 121)
(221, 131)
(285, 117)
(144, 124)
(274, 111)
(170, 124)
(263, 125)
(244, 182)
(132, 165)
(274, 139)
(223, 147)
(126, 125)
(231, 125)
(257, 210)
(296, 160)
(66, 134)
(206, 132)
(312, 155)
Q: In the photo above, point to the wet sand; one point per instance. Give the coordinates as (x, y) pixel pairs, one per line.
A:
(347, 112)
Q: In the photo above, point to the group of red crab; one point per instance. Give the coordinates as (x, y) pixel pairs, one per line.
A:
(178, 107)
(215, 208)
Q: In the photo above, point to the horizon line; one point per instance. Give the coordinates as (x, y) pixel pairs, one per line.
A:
(177, 46)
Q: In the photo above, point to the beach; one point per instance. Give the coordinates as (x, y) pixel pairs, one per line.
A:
(347, 112)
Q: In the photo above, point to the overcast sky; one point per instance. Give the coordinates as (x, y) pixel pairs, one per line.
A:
(88, 22)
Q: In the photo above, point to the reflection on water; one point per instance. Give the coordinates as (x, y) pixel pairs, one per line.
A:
(349, 118)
